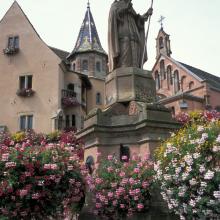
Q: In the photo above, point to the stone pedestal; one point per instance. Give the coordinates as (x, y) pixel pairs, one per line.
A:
(129, 84)
(138, 126)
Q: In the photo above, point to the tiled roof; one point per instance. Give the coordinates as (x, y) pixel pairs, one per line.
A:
(213, 80)
(60, 53)
(88, 39)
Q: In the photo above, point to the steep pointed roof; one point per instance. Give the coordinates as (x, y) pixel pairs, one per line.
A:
(88, 38)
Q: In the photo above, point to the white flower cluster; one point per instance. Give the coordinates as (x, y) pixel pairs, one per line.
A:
(188, 177)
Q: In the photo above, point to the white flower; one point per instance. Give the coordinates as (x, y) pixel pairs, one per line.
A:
(209, 175)
(192, 203)
(203, 184)
(196, 155)
(216, 148)
(167, 177)
(189, 160)
(218, 139)
(185, 175)
(205, 136)
(178, 170)
(216, 194)
(209, 158)
(200, 129)
(193, 182)
(202, 169)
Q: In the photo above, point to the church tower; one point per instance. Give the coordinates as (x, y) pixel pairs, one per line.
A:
(163, 43)
(88, 56)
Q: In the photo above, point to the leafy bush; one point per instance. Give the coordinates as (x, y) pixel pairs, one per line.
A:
(39, 181)
(188, 170)
(122, 188)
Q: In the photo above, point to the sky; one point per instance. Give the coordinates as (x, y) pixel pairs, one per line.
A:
(193, 26)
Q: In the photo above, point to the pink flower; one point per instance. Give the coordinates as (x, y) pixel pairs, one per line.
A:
(136, 170)
(110, 194)
(98, 180)
(5, 157)
(113, 185)
(23, 192)
(114, 203)
(140, 206)
(145, 184)
(122, 174)
(110, 157)
(98, 205)
(110, 169)
(10, 164)
(124, 157)
(122, 206)
(131, 180)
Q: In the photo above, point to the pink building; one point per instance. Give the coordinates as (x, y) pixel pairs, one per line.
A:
(182, 87)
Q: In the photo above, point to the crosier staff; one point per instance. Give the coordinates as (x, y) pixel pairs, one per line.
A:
(146, 37)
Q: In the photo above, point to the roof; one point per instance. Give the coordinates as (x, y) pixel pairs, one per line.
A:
(62, 54)
(88, 38)
(213, 80)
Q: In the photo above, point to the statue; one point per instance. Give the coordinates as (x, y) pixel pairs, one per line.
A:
(126, 35)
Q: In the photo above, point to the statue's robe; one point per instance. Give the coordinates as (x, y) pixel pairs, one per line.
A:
(126, 37)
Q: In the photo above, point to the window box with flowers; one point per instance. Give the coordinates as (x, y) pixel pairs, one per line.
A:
(25, 92)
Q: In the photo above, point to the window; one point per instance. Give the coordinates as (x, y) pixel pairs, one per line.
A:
(71, 86)
(169, 75)
(73, 121)
(25, 82)
(26, 122)
(191, 85)
(161, 44)
(85, 66)
(157, 80)
(60, 122)
(98, 98)
(176, 81)
(67, 121)
(13, 42)
(98, 66)
(162, 69)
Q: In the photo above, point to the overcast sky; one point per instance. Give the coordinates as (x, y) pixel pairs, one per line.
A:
(193, 25)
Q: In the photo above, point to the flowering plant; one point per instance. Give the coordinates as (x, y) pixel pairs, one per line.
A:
(122, 188)
(39, 181)
(70, 101)
(188, 170)
(197, 117)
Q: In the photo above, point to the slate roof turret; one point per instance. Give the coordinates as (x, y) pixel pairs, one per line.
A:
(88, 38)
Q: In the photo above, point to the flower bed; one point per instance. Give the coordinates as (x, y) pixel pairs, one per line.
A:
(122, 188)
(188, 169)
(39, 181)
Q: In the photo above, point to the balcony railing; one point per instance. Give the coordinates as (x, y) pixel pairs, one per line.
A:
(69, 98)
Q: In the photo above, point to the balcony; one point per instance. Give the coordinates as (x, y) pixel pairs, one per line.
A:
(10, 50)
(69, 98)
(25, 92)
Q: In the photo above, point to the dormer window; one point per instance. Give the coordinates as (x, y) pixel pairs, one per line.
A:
(12, 46)
(85, 65)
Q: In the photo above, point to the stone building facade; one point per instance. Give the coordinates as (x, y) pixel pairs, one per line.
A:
(182, 87)
(44, 88)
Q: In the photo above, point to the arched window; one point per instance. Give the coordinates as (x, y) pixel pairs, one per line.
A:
(162, 69)
(157, 80)
(183, 82)
(169, 75)
(74, 67)
(191, 85)
(85, 65)
(176, 81)
(98, 98)
(98, 66)
(161, 44)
